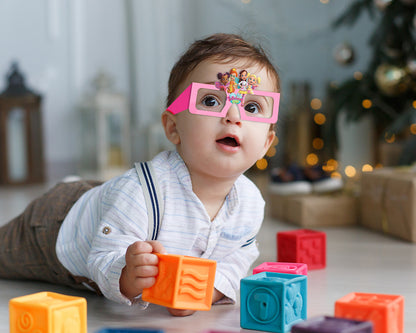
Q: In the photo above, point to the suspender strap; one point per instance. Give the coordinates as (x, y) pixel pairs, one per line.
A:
(153, 198)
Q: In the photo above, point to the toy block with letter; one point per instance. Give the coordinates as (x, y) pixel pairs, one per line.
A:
(385, 311)
(48, 312)
(326, 324)
(282, 267)
(272, 301)
(302, 246)
(183, 282)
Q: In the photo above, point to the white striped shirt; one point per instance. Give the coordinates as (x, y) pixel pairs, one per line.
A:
(94, 236)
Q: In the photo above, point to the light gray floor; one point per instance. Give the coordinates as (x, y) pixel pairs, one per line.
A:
(358, 260)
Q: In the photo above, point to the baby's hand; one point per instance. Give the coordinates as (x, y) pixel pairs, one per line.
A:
(141, 267)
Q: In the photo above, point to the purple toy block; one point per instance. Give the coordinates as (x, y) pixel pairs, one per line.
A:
(282, 267)
(326, 324)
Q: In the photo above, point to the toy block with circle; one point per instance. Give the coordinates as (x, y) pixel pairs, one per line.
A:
(130, 330)
(48, 312)
(282, 267)
(183, 282)
(302, 246)
(272, 301)
(327, 324)
(385, 311)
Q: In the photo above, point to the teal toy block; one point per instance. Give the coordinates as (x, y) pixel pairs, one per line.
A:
(272, 302)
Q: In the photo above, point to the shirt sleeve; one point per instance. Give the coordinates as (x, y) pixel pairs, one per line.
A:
(123, 221)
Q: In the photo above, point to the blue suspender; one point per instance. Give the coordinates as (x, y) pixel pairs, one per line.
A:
(153, 198)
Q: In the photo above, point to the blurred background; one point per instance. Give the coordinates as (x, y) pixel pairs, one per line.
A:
(98, 71)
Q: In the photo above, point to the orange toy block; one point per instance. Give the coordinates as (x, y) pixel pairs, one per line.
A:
(48, 312)
(183, 282)
(385, 311)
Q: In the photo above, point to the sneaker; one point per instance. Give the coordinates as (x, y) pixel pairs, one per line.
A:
(291, 180)
(321, 181)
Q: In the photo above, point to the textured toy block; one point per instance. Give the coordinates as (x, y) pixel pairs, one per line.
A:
(326, 324)
(385, 311)
(183, 282)
(48, 312)
(129, 330)
(304, 246)
(272, 301)
(282, 267)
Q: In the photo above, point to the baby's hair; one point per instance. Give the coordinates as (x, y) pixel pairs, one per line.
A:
(221, 47)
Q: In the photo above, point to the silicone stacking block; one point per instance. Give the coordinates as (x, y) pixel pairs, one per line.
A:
(272, 301)
(48, 312)
(183, 282)
(385, 311)
(282, 267)
(130, 330)
(302, 246)
(326, 324)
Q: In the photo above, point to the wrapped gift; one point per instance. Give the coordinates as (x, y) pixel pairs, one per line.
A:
(315, 210)
(388, 202)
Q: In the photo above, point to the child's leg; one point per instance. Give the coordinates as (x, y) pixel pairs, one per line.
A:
(27, 243)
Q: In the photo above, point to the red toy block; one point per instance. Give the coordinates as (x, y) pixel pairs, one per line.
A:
(48, 312)
(183, 282)
(282, 267)
(385, 311)
(302, 246)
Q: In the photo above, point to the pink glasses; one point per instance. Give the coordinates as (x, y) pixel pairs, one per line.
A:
(208, 100)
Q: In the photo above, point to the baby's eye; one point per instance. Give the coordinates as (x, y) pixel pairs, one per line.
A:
(210, 101)
(252, 108)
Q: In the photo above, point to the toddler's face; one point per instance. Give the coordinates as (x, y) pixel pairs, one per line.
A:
(221, 147)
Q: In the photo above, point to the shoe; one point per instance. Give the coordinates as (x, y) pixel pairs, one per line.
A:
(290, 180)
(321, 181)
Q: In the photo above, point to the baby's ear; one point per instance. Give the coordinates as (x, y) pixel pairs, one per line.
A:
(169, 125)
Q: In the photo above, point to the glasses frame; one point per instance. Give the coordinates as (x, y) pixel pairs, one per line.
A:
(186, 101)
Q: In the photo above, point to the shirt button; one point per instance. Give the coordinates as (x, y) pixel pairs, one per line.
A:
(106, 230)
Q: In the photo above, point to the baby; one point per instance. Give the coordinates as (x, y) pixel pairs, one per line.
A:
(85, 234)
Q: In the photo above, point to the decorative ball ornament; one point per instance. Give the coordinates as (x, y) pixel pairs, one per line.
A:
(344, 54)
(382, 4)
(392, 80)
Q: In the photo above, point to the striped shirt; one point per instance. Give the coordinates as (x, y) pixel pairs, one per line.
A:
(95, 234)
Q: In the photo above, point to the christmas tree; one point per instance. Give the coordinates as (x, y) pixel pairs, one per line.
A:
(387, 89)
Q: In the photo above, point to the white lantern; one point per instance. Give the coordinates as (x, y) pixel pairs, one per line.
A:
(105, 130)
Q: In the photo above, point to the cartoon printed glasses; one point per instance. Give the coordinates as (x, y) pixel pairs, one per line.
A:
(208, 100)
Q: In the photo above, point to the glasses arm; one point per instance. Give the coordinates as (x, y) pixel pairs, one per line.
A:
(182, 102)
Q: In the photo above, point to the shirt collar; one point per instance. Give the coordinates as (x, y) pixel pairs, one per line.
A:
(231, 200)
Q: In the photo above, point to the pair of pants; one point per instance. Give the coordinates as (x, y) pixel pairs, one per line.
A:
(27, 243)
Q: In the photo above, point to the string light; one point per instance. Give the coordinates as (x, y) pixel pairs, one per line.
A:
(350, 171)
(318, 143)
(316, 103)
(414, 104)
(312, 159)
(367, 104)
(271, 152)
(367, 168)
(335, 174)
(262, 164)
(319, 118)
(413, 129)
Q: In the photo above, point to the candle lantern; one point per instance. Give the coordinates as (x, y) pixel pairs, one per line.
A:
(105, 130)
(21, 139)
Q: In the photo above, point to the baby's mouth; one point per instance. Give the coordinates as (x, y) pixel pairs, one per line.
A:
(229, 141)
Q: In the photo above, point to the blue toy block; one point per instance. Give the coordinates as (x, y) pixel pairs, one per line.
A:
(272, 301)
(326, 324)
(130, 330)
